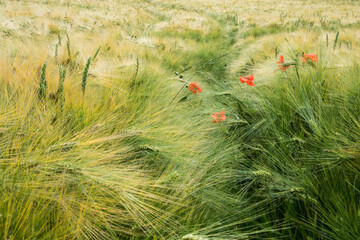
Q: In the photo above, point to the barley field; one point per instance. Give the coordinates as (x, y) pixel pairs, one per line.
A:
(168, 119)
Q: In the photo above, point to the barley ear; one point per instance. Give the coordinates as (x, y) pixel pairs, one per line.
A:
(43, 83)
(96, 53)
(62, 73)
(68, 46)
(336, 40)
(56, 50)
(85, 75)
(327, 40)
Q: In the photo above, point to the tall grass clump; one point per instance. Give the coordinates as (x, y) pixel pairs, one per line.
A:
(298, 141)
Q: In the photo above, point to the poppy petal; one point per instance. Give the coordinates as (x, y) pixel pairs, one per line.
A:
(251, 77)
(242, 79)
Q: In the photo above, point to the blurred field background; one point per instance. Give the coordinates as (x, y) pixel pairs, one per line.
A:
(124, 151)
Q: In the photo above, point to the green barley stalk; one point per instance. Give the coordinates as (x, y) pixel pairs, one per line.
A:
(62, 73)
(327, 40)
(297, 71)
(43, 83)
(59, 39)
(56, 50)
(68, 45)
(336, 39)
(133, 79)
(85, 75)
(60, 93)
(96, 53)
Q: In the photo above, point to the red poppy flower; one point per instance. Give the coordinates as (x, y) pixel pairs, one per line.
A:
(311, 57)
(248, 80)
(281, 62)
(195, 88)
(218, 117)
